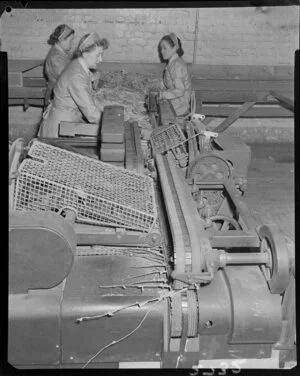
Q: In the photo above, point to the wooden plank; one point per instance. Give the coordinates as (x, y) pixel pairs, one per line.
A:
(67, 128)
(26, 92)
(16, 65)
(256, 72)
(112, 130)
(38, 102)
(34, 82)
(232, 118)
(235, 97)
(242, 85)
(112, 152)
(288, 102)
(134, 159)
(254, 112)
(15, 79)
(196, 70)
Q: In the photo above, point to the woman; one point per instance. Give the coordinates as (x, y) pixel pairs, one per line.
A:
(73, 94)
(176, 80)
(58, 56)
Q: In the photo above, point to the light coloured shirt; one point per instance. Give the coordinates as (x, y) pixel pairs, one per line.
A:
(73, 100)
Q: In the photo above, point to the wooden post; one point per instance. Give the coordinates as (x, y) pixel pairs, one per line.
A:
(196, 36)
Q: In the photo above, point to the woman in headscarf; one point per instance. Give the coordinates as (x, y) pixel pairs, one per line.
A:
(176, 84)
(73, 94)
(58, 57)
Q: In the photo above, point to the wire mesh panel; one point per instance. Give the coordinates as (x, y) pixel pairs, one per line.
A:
(166, 138)
(56, 179)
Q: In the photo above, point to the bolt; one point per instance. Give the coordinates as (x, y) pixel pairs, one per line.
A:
(208, 324)
(71, 358)
(57, 346)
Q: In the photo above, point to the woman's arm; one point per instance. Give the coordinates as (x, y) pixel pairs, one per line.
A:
(82, 96)
(177, 73)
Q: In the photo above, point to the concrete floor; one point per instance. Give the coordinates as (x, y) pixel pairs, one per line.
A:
(270, 194)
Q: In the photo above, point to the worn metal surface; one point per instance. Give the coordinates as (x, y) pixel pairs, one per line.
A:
(84, 296)
(95, 235)
(41, 247)
(34, 329)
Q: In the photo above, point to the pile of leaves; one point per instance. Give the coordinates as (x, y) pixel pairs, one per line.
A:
(124, 79)
(128, 90)
(132, 100)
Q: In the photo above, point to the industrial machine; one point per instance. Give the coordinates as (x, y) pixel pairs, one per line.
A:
(112, 267)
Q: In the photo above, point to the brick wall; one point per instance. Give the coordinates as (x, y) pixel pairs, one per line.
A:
(233, 36)
(247, 36)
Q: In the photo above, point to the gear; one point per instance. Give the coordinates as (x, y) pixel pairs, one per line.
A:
(209, 167)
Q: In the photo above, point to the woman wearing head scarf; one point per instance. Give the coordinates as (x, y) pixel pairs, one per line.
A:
(176, 80)
(58, 56)
(73, 94)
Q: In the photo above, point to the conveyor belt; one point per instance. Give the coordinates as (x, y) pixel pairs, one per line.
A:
(181, 221)
(190, 240)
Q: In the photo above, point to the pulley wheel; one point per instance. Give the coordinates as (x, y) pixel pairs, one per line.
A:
(277, 272)
(176, 316)
(209, 167)
(193, 317)
(154, 239)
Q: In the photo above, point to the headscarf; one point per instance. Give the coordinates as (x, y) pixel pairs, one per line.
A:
(91, 39)
(65, 33)
(174, 39)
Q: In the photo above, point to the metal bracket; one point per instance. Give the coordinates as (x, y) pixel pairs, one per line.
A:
(197, 117)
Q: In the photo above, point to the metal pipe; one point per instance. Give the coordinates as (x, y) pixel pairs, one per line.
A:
(247, 258)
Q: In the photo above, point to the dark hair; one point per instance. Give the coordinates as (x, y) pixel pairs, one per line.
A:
(99, 43)
(169, 40)
(54, 37)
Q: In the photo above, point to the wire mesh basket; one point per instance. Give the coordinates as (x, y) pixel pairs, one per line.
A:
(55, 179)
(166, 138)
